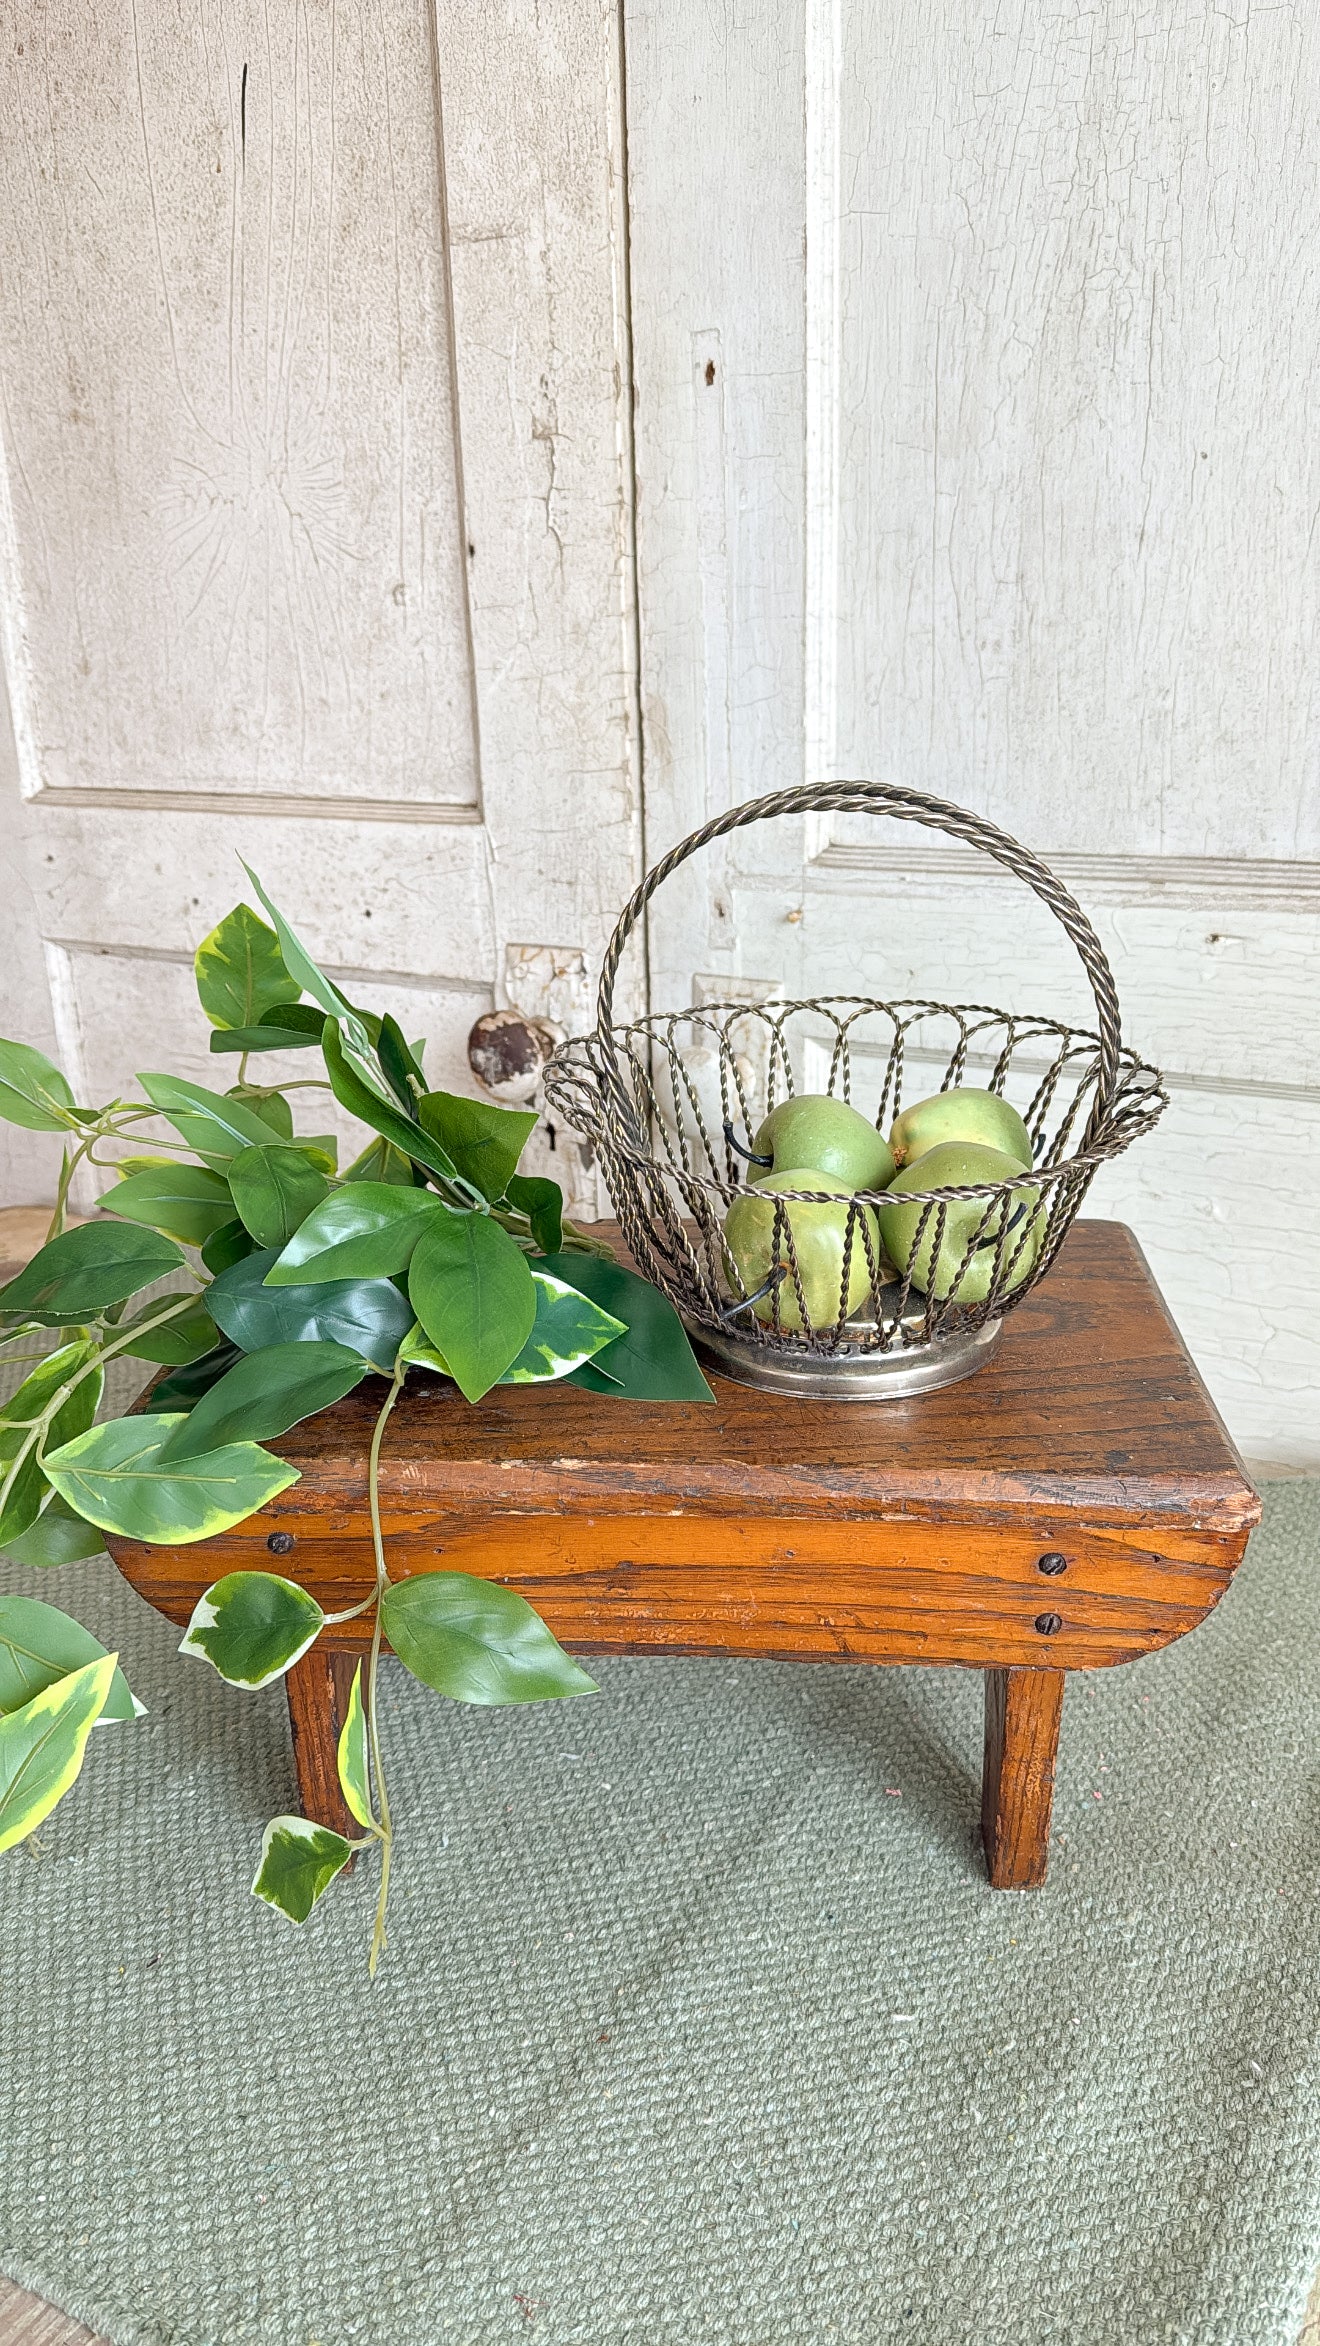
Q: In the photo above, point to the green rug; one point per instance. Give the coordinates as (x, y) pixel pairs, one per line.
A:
(700, 2026)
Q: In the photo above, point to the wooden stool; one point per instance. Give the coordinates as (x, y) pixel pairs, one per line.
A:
(1074, 1504)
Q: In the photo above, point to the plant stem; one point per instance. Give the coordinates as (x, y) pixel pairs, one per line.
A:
(68, 1167)
(117, 1130)
(172, 1148)
(378, 1936)
(352, 1612)
(578, 1242)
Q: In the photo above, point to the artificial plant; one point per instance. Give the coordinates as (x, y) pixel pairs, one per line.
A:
(431, 1255)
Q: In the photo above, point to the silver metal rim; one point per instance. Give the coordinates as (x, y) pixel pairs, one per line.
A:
(847, 1376)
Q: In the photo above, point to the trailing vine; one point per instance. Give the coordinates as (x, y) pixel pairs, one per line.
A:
(429, 1255)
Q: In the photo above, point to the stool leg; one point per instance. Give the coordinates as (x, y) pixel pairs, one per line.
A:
(318, 1688)
(1022, 1713)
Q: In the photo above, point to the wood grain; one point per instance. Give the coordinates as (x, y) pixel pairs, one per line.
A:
(318, 1688)
(1077, 1497)
(1023, 1709)
(841, 1590)
(1091, 1408)
(28, 2321)
(908, 1531)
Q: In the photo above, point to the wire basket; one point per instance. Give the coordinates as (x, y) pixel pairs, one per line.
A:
(857, 1303)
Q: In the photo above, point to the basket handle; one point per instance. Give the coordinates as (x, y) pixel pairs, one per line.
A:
(909, 806)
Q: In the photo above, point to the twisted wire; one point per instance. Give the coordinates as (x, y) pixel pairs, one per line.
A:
(632, 1091)
(911, 806)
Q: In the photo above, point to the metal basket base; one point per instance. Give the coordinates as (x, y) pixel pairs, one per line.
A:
(848, 1376)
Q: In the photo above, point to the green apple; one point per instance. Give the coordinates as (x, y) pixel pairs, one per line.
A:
(952, 1276)
(961, 1114)
(814, 1129)
(819, 1237)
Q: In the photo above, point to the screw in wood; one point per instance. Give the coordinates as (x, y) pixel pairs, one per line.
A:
(1049, 1624)
(280, 1542)
(1052, 1563)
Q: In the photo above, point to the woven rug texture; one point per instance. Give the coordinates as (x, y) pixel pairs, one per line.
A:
(699, 2025)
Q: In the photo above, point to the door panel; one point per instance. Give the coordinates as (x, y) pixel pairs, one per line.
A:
(230, 407)
(315, 501)
(1073, 478)
(973, 453)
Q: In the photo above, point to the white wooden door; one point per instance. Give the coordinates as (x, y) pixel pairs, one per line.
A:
(314, 511)
(972, 355)
(975, 356)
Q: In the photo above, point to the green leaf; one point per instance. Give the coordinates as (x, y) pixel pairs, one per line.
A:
(253, 1626)
(321, 1149)
(399, 1065)
(472, 1291)
(240, 970)
(298, 960)
(417, 1349)
(57, 1537)
(267, 1102)
(187, 1385)
(483, 1142)
(211, 1124)
(17, 1332)
(654, 1361)
(365, 1231)
(81, 1273)
(187, 1202)
(175, 1342)
(543, 1203)
(39, 1645)
(265, 1393)
(24, 1487)
(42, 1747)
(275, 1189)
(299, 1860)
(353, 1779)
(477, 1642)
(381, 1161)
(567, 1330)
(355, 1095)
(116, 1475)
(39, 1387)
(304, 1019)
(297, 1028)
(230, 1244)
(370, 1316)
(356, 1031)
(125, 1166)
(32, 1091)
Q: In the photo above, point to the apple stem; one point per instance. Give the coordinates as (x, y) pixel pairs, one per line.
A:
(736, 1145)
(1011, 1224)
(767, 1287)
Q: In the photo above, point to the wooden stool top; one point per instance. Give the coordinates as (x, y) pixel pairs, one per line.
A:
(1091, 1404)
(1073, 1505)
